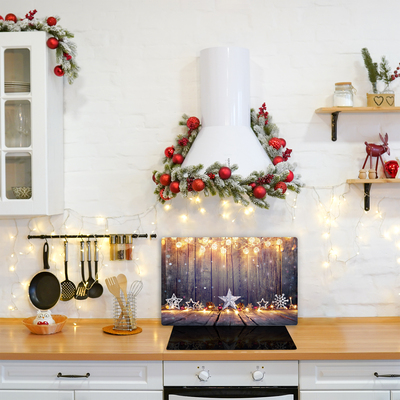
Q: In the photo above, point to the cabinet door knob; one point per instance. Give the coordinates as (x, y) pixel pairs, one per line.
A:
(258, 375)
(204, 375)
(60, 375)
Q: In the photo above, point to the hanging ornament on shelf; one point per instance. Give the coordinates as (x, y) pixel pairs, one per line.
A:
(58, 70)
(52, 43)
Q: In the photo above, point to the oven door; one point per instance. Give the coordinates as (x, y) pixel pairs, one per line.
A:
(230, 393)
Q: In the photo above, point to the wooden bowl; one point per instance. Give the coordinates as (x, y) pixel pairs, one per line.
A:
(60, 321)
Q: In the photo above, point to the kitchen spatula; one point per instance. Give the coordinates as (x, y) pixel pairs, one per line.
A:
(68, 288)
(115, 289)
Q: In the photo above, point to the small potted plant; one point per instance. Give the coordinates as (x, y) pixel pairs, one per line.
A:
(377, 73)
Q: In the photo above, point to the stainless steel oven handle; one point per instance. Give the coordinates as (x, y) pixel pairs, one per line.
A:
(386, 376)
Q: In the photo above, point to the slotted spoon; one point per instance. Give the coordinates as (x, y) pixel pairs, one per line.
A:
(68, 288)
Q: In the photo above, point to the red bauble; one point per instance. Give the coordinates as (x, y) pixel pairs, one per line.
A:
(169, 151)
(165, 179)
(277, 160)
(154, 179)
(174, 187)
(58, 70)
(51, 21)
(198, 185)
(391, 168)
(177, 159)
(193, 123)
(281, 185)
(225, 173)
(275, 143)
(161, 195)
(52, 43)
(283, 142)
(253, 185)
(1, 18)
(67, 56)
(289, 177)
(11, 17)
(259, 192)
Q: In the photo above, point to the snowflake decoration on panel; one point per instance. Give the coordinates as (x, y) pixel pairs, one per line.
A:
(60, 40)
(220, 178)
(280, 301)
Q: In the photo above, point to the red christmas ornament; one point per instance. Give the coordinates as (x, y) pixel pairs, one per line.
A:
(391, 168)
(277, 160)
(177, 159)
(253, 185)
(1, 18)
(225, 173)
(165, 179)
(58, 70)
(11, 17)
(198, 185)
(281, 185)
(174, 187)
(67, 56)
(161, 195)
(259, 192)
(51, 21)
(154, 179)
(169, 151)
(275, 143)
(193, 123)
(283, 142)
(52, 43)
(183, 142)
(289, 177)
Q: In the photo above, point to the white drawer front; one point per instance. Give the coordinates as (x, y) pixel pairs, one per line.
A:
(122, 375)
(35, 395)
(348, 375)
(118, 395)
(345, 395)
(234, 373)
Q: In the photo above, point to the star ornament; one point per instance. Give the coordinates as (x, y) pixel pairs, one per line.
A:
(173, 301)
(192, 305)
(262, 303)
(229, 300)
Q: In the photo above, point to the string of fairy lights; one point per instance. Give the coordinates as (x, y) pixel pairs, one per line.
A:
(329, 213)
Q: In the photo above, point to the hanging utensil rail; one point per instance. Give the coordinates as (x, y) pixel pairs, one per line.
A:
(134, 236)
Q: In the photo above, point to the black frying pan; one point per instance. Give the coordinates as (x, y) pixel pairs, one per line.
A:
(45, 288)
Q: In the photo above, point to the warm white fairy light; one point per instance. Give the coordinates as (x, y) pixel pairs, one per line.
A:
(223, 250)
(184, 217)
(178, 245)
(325, 264)
(246, 250)
(214, 246)
(202, 210)
(167, 207)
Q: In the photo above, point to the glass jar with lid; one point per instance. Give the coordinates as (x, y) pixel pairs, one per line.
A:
(343, 95)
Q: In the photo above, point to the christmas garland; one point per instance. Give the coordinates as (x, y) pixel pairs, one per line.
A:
(65, 48)
(218, 178)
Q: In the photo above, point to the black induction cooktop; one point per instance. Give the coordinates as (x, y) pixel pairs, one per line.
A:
(230, 338)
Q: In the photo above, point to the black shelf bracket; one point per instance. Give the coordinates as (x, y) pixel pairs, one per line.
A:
(335, 117)
(367, 190)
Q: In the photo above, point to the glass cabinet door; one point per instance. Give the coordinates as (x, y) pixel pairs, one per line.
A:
(18, 176)
(17, 123)
(17, 67)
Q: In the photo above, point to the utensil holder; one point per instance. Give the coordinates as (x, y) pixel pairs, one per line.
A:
(125, 316)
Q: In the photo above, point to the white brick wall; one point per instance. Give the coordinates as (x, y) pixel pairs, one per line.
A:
(139, 74)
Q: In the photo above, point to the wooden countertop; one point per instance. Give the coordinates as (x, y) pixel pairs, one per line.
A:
(315, 338)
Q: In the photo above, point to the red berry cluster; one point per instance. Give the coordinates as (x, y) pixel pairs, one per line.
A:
(183, 142)
(211, 175)
(263, 113)
(286, 154)
(189, 184)
(396, 73)
(30, 15)
(265, 179)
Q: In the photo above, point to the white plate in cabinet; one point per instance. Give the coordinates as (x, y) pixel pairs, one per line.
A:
(31, 127)
(336, 375)
(106, 375)
(35, 395)
(345, 395)
(118, 395)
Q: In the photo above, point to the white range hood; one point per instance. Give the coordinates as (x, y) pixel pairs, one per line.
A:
(226, 135)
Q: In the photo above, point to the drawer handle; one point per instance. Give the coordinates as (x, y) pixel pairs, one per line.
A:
(60, 375)
(386, 376)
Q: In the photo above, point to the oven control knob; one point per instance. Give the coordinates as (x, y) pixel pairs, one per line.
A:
(204, 375)
(258, 375)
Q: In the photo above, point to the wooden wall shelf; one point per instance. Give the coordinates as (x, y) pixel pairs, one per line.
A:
(367, 187)
(335, 111)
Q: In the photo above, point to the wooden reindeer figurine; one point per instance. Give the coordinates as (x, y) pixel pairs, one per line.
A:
(376, 150)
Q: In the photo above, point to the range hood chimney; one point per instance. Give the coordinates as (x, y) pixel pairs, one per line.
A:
(226, 135)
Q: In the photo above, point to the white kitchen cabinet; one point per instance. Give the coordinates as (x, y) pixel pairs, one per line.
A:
(356, 380)
(118, 395)
(35, 395)
(31, 127)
